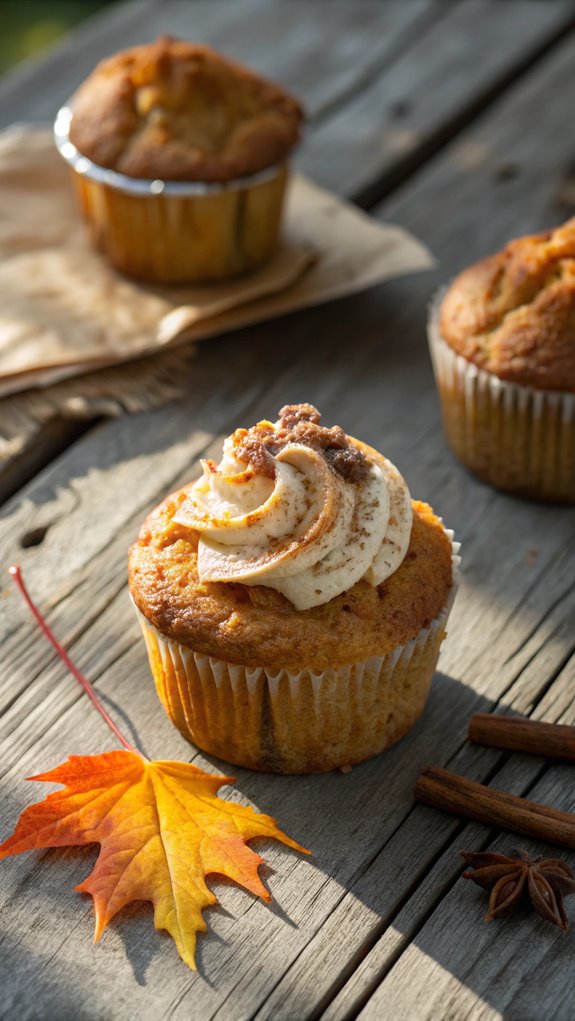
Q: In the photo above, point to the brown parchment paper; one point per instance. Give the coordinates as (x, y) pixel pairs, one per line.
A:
(65, 311)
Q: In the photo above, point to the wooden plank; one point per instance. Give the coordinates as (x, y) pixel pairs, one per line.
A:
(54, 437)
(426, 207)
(516, 158)
(420, 863)
(71, 734)
(382, 53)
(92, 498)
(434, 965)
(323, 799)
(70, 561)
(322, 59)
(429, 93)
(60, 561)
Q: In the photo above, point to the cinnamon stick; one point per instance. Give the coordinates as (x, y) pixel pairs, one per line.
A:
(442, 789)
(551, 740)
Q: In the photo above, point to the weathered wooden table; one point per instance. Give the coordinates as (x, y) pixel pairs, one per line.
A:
(456, 121)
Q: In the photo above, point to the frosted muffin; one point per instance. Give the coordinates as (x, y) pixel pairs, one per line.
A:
(503, 347)
(180, 160)
(293, 600)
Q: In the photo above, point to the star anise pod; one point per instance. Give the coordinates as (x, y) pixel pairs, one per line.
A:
(542, 881)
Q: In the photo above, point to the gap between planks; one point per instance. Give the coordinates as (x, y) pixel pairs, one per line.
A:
(522, 775)
(546, 784)
(121, 541)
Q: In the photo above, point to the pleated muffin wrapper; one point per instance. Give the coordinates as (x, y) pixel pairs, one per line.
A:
(304, 722)
(517, 438)
(172, 232)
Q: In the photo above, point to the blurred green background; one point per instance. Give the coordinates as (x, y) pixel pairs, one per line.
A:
(29, 26)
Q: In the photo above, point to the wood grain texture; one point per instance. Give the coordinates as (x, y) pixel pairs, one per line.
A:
(376, 921)
(431, 90)
(516, 968)
(325, 60)
(322, 58)
(378, 957)
(353, 73)
(37, 425)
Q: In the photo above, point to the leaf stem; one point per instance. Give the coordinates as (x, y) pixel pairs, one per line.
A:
(84, 683)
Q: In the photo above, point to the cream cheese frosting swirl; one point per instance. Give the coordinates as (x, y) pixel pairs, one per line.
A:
(299, 508)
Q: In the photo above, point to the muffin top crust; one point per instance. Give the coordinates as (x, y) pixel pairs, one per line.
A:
(178, 111)
(513, 313)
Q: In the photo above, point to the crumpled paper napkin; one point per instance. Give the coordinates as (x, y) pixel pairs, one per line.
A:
(65, 311)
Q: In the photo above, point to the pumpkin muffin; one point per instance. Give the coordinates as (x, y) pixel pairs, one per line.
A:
(503, 346)
(180, 159)
(294, 599)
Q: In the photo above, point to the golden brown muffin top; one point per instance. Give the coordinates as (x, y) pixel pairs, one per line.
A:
(177, 111)
(513, 313)
(257, 626)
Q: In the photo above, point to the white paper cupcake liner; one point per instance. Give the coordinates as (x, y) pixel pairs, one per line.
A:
(304, 722)
(515, 437)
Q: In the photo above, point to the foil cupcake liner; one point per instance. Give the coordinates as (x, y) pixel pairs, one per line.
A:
(517, 438)
(304, 722)
(174, 232)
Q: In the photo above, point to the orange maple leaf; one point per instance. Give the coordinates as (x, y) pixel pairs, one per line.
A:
(161, 828)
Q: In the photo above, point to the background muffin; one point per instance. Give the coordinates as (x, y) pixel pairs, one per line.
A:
(293, 600)
(187, 160)
(503, 347)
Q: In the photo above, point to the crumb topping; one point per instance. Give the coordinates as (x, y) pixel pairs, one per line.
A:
(300, 423)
